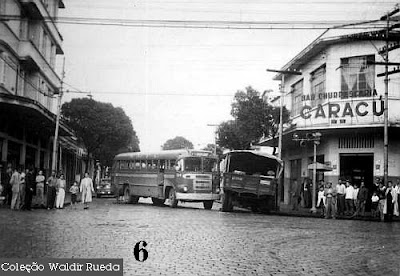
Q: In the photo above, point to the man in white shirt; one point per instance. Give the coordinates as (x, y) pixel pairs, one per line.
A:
(341, 191)
(349, 197)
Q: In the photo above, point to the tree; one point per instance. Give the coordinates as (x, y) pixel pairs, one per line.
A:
(211, 147)
(102, 128)
(178, 142)
(253, 120)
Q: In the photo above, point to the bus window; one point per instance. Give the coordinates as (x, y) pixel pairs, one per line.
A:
(123, 165)
(149, 164)
(179, 165)
(143, 165)
(132, 165)
(115, 166)
(172, 164)
(162, 165)
(137, 165)
(155, 164)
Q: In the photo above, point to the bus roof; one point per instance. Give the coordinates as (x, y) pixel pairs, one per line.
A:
(164, 154)
(255, 152)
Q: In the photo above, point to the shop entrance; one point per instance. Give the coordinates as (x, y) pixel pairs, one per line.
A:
(357, 168)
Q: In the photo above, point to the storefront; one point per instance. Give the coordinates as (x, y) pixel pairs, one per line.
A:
(339, 96)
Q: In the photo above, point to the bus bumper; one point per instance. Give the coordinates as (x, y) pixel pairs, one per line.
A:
(196, 197)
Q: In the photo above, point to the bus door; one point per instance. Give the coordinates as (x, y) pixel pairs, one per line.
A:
(160, 178)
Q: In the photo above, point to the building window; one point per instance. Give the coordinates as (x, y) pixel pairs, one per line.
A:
(297, 92)
(317, 80)
(356, 142)
(357, 74)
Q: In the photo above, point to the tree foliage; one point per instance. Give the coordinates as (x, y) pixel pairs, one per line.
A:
(178, 142)
(253, 120)
(102, 128)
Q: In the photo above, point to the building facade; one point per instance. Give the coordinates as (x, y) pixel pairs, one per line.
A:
(30, 41)
(339, 95)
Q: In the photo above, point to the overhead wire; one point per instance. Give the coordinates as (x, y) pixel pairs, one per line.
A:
(207, 24)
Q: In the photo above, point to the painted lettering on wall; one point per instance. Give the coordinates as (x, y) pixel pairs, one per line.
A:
(334, 110)
(339, 95)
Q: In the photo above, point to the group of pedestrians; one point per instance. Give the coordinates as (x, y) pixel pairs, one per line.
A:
(22, 190)
(350, 200)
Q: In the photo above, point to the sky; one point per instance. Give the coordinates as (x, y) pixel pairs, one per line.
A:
(181, 81)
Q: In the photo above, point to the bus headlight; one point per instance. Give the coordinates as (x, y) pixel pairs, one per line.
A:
(183, 188)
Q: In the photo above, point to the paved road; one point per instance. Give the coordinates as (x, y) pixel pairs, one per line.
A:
(193, 241)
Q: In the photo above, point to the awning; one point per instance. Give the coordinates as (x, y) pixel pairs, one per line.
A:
(320, 167)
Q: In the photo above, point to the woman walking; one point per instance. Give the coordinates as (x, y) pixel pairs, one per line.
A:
(86, 190)
(60, 192)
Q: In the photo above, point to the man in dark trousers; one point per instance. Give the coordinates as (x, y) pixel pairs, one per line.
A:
(29, 187)
(51, 190)
(362, 197)
(296, 192)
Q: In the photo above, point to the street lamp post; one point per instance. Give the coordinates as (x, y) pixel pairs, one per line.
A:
(316, 139)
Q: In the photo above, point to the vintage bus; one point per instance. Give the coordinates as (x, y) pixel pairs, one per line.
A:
(177, 175)
(249, 179)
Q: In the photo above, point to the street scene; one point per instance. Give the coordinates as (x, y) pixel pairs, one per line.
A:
(200, 137)
(192, 241)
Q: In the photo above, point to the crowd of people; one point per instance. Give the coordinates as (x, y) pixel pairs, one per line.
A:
(346, 199)
(22, 190)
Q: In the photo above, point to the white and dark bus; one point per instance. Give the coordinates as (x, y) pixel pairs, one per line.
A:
(177, 175)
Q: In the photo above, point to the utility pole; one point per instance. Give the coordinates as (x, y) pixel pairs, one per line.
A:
(280, 131)
(55, 142)
(282, 91)
(386, 63)
(215, 137)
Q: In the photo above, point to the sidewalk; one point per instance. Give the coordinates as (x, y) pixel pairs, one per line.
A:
(286, 210)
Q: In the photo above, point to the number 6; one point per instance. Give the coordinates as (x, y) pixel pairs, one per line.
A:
(140, 248)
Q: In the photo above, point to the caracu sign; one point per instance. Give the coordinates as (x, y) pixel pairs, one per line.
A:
(344, 109)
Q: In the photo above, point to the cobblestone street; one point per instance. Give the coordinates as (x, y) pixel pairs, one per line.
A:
(192, 241)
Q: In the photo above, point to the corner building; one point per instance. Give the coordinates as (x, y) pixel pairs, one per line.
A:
(340, 94)
(29, 44)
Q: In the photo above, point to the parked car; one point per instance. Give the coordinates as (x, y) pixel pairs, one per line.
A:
(104, 188)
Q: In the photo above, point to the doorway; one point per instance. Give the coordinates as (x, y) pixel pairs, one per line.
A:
(357, 168)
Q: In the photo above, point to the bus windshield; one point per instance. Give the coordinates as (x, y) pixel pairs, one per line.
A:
(195, 164)
(209, 164)
(192, 164)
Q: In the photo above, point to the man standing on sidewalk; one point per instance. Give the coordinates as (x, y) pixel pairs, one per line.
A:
(51, 190)
(330, 194)
(29, 186)
(341, 191)
(296, 191)
(361, 200)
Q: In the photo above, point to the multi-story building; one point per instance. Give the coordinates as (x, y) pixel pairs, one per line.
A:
(340, 95)
(29, 44)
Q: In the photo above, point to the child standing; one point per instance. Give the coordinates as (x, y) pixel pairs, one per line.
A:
(321, 200)
(74, 192)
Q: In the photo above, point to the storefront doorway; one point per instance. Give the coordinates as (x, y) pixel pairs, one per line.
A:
(357, 168)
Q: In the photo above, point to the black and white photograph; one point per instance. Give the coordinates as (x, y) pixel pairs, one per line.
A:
(199, 137)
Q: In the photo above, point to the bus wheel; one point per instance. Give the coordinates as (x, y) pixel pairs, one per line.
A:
(226, 202)
(157, 201)
(254, 208)
(208, 204)
(128, 198)
(173, 202)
